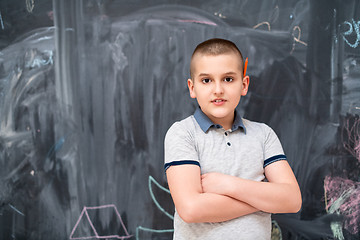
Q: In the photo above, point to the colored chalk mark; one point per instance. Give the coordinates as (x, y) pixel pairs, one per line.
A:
(196, 21)
(352, 142)
(56, 147)
(138, 229)
(297, 38)
(342, 196)
(2, 23)
(96, 235)
(16, 210)
(353, 25)
(30, 4)
(161, 231)
(263, 23)
(42, 61)
(295, 29)
(152, 180)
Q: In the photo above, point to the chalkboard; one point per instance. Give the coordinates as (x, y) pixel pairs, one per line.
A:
(88, 90)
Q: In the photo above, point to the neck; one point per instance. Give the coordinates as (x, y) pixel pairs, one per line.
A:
(225, 123)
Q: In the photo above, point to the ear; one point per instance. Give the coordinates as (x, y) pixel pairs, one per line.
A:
(191, 88)
(245, 85)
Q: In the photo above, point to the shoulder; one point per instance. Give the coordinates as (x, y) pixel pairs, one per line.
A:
(182, 128)
(180, 143)
(183, 125)
(256, 128)
(261, 131)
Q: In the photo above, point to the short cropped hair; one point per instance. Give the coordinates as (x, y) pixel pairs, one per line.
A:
(214, 47)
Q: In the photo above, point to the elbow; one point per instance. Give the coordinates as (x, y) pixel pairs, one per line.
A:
(296, 204)
(290, 204)
(188, 217)
(299, 204)
(294, 200)
(189, 213)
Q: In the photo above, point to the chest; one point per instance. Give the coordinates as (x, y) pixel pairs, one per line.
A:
(235, 154)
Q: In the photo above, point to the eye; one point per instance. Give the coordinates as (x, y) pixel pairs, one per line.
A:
(206, 80)
(228, 79)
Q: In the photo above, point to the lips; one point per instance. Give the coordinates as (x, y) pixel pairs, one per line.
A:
(218, 101)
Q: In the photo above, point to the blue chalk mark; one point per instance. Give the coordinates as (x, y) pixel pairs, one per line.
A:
(56, 147)
(152, 180)
(38, 62)
(350, 31)
(140, 228)
(151, 230)
(16, 210)
(1, 21)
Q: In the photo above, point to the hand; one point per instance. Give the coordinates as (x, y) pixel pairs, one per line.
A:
(217, 183)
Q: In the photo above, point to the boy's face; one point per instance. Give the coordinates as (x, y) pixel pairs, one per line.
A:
(218, 85)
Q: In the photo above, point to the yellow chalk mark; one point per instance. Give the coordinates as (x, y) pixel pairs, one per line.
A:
(297, 38)
(263, 23)
(30, 4)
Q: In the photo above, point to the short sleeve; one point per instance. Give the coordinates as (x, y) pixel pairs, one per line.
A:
(273, 150)
(179, 146)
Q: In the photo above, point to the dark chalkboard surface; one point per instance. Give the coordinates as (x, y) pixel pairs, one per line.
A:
(88, 90)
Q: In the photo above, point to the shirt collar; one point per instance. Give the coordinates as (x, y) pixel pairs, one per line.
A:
(205, 123)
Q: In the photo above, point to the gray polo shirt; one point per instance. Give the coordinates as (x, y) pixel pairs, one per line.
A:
(242, 151)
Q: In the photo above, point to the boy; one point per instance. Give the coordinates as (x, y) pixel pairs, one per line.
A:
(216, 162)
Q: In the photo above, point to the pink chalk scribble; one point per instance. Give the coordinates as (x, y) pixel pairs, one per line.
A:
(50, 14)
(197, 21)
(343, 196)
(352, 144)
(85, 212)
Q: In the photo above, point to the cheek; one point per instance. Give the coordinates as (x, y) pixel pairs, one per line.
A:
(235, 91)
(192, 94)
(200, 92)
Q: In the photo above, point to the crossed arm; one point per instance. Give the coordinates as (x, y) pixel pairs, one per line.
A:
(216, 197)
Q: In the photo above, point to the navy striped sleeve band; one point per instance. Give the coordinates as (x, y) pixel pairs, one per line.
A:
(176, 163)
(274, 159)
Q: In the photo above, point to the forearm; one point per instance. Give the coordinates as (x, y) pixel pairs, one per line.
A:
(266, 196)
(193, 205)
(281, 194)
(209, 207)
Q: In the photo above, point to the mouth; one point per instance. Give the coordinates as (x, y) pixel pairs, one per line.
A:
(218, 101)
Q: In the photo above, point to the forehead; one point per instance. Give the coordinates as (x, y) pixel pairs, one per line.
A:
(207, 63)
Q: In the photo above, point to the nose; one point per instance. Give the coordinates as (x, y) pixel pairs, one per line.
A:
(218, 88)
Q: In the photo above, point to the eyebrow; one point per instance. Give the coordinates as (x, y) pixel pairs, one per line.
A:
(230, 73)
(207, 74)
(203, 74)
